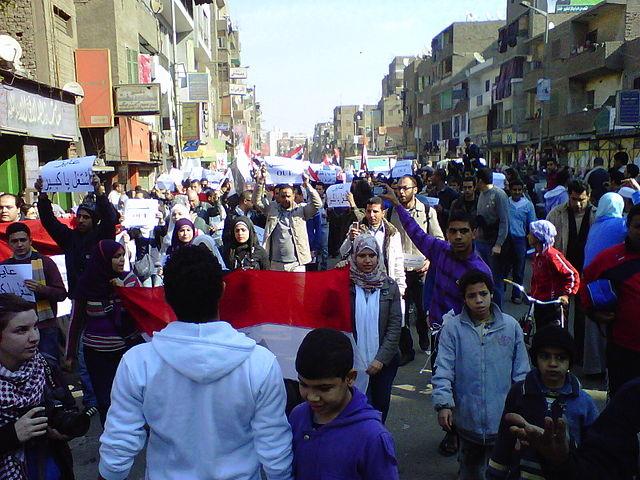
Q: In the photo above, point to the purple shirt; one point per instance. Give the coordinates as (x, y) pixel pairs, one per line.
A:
(448, 268)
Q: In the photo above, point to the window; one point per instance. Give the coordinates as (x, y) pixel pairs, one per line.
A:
(556, 47)
(446, 130)
(222, 43)
(636, 84)
(435, 132)
(62, 21)
(479, 101)
(132, 65)
(590, 97)
(446, 100)
(554, 104)
(592, 37)
(507, 118)
(487, 85)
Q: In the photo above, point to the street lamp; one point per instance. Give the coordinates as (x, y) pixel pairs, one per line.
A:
(528, 5)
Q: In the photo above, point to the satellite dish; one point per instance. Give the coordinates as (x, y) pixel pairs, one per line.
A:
(156, 6)
(552, 25)
(478, 57)
(76, 89)
(10, 49)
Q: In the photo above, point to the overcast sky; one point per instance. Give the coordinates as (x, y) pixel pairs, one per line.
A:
(307, 56)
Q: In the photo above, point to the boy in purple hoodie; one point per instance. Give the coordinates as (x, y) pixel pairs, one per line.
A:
(336, 433)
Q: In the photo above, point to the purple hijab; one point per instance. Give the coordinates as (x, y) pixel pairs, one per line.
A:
(175, 243)
(95, 282)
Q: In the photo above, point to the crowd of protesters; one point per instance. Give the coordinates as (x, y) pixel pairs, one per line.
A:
(431, 249)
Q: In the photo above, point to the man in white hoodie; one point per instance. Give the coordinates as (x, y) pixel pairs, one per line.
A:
(213, 400)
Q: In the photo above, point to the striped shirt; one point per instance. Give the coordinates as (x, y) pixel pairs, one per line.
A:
(101, 332)
(448, 269)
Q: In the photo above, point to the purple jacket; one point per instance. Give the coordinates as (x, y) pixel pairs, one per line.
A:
(448, 269)
(353, 446)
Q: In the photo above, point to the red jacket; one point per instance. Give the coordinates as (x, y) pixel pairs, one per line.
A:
(626, 327)
(553, 276)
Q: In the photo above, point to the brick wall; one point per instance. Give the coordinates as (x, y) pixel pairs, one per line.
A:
(17, 20)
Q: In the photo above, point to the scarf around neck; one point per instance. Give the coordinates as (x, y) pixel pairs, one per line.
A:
(376, 278)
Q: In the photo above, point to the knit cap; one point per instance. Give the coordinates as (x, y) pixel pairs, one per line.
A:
(553, 336)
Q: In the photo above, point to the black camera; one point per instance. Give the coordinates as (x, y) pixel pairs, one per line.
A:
(67, 421)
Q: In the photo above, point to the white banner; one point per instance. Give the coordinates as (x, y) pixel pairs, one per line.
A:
(431, 201)
(221, 161)
(12, 279)
(72, 175)
(337, 195)
(283, 170)
(140, 213)
(402, 168)
(165, 182)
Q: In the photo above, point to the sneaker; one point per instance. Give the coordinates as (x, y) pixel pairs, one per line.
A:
(91, 411)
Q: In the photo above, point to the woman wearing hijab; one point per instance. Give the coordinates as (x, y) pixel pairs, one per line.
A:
(183, 234)
(609, 228)
(552, 277)
(375, 300)
(244, 252)
(107, 331)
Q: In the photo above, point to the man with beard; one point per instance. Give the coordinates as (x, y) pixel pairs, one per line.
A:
(427, 218)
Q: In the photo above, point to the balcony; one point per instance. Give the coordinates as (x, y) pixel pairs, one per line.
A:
(184, 14)
(595, 61)
(532, 74)
(577, 123)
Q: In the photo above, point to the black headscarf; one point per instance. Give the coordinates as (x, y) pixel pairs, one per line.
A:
(238, 251)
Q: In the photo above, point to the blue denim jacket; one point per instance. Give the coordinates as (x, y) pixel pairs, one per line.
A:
(474, 373)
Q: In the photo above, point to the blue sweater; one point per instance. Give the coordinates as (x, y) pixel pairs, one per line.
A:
(521, 214)
(353, 446)
(529, 399)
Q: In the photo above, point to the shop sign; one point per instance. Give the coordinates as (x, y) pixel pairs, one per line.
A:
(36, 115)
(137, 99)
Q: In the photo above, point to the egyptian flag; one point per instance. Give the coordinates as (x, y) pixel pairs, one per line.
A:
(276, 309)
(364, 158)
(297, 153)
(42, 241)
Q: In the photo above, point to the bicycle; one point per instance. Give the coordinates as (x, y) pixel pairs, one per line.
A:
(527, 322)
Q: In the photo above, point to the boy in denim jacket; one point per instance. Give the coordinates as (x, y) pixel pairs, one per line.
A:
(550, 390)
(482, 353)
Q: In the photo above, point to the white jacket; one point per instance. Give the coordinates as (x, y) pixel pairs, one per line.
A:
(214, 402)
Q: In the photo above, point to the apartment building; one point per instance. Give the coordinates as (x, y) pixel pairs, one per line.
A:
(45, 33)
(344, 128)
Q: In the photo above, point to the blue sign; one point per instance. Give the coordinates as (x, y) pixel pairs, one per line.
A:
(629, 108)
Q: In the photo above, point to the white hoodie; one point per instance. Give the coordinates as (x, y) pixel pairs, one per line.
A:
(214, 402)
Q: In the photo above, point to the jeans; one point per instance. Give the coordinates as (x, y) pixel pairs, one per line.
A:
(473, 459)
(494, 262)
(324, 249)
(88, 396)
(516, 262)
(102, 368)
(379, 390)
(622, 365)
(49, 345)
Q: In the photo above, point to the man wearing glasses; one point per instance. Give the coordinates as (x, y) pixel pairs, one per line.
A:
(416, 265)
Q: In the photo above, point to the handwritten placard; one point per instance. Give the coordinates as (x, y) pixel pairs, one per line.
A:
(165, 182)
(337, 195)
(71, 175)
(12, 279)
(140, 212)
(402, 168)
(327, 176)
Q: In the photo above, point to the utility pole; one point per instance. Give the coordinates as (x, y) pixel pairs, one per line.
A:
(176, 102)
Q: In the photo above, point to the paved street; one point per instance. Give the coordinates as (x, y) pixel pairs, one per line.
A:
(412, 422)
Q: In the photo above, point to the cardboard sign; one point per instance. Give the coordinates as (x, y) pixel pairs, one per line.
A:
(71, 175)
(337, 195)
(140, 213)
(431, 201)
(402, 168)
(283, 170)
(12, 279)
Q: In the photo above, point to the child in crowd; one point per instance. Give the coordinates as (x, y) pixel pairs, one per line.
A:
(550, 390)
(481, 354)
(336, 433)
(552, 275)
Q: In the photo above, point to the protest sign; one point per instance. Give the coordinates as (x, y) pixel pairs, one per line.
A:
(337, 195)
(402, 168)
(431, 201)
(64, 307)
(140, 212)
(259, 234)
(283, 170)
(12, 279)
(177, 176)
(327, 176)
(165, 182)
(215, 178)
(71, 175)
